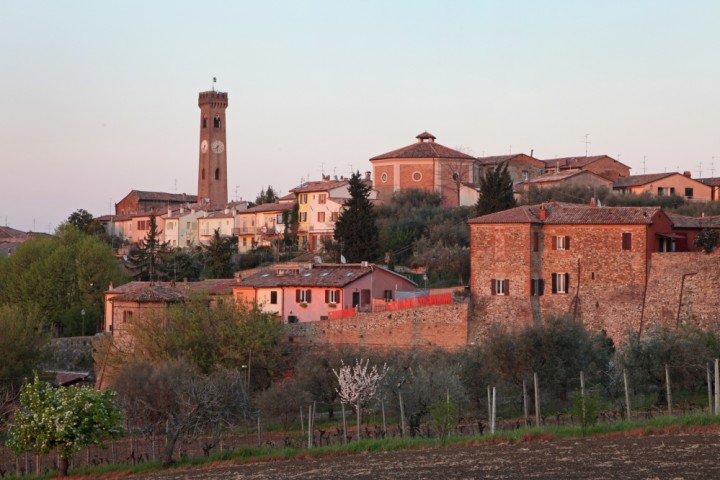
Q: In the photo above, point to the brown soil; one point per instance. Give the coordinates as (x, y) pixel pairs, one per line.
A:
(680, 455)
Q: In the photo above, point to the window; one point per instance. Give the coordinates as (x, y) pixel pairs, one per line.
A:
(689, 192)
(127, 316)
(273, 298)
(383, 177)
(388, 295)
(203, 174)
(334, 216)
(292, 319)
(536, 241)
(303, 296)
(302, 198)
(500, 286)
(525, 175)
(217, 174)
(244, 241)
(303, 216)
(216, 121)
(627, 241)
(278, 219)
(332, 296)
(561, 243)
(417, 176)
(322, 198)
(537, 287)
(672, 190)
(455, 177)
(560, 282)
(321, 217)
(204, 122)
(171, 225)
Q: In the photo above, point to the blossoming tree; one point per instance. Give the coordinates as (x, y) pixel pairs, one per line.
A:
(358, 385)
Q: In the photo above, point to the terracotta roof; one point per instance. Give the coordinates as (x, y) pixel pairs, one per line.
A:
(164, 197)
(424, 148)
(290, 197)
(562, 175)
(151, 294)
(169, 291)
(7, 232)
(577, 162)
(685, 221)
(268, 207)
(497, 159)
(570, 214)
(638, 180)
(319, 186)
(217, 214)
(320, 275)
(713, 181)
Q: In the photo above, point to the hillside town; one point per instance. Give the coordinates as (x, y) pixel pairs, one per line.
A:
(488, 270)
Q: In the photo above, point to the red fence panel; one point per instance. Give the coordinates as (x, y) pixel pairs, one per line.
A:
(441, 299)
(348, 312)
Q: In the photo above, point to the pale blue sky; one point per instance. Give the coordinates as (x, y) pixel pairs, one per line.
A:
(99, 98)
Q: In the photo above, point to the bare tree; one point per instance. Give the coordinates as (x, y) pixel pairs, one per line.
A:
(457, 172)
(358, 385)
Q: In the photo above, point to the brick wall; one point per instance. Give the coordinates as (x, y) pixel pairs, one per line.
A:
(443, 326)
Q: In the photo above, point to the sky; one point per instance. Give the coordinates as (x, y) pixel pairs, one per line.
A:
(100, 98)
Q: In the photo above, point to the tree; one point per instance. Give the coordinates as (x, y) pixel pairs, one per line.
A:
(266, 196)
(356, 228)
(707, 239)
(175, 398)
(457, 172)
(358, 385)
(59, 276)
(282, 401)
(151, 254)
(220, 251)
(291, 220)
(445, 416)
(21, 344)
(64, 419)
(496, 191)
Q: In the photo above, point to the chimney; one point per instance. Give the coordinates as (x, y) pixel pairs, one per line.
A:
(557, 167)
(592, 201)
(169, 211)
(237, 277)
(531, 152)
(687, 174)
(367, 176)
(543, 212)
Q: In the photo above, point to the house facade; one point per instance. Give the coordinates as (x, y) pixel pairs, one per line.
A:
(521, 167)
(574, 177)
(663, 184)
(308, 292)
(261, 225)
(139, 201)
(319, 207)
(534, 261)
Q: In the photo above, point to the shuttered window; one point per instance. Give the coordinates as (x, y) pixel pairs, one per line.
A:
(500, 287)
(627, 241)
(537, 287)
(560, 282)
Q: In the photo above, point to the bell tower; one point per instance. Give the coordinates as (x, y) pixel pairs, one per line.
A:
(212, 172)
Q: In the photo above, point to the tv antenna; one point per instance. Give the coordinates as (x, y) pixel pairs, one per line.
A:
(700, 170)
(712, 167)
(587, 142)
(644, 165)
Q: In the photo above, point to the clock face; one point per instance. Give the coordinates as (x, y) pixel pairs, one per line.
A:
(204, 146)
(217, 146)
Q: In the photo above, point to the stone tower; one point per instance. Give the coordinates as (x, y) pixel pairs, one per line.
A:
(212, 172)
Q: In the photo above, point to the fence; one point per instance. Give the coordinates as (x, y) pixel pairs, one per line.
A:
(382, 306)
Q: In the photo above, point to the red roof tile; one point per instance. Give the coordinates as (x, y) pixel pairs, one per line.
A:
(424, 149)
(320, 275)
(268, 207)
(577, 162)
(570, 214)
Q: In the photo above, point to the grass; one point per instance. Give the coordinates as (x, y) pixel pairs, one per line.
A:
(656, 425)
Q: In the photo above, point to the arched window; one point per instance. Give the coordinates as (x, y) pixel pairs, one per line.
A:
(203, 174)
(216, 122)
(217, 174)
(204, 122)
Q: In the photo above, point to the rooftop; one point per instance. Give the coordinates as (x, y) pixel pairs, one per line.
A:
(638, 180)
(425, 147)
(571, 214)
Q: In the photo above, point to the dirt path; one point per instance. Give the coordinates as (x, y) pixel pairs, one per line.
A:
(678, 456)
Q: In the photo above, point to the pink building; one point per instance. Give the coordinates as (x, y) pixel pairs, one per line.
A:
(307, 293)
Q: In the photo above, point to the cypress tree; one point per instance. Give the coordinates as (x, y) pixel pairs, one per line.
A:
(496, 191)
(356, 229)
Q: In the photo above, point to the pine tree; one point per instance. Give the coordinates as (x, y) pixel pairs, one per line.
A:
(266, 196)
(356, 229)
(151, 253)
(496, 191)
(219, 255)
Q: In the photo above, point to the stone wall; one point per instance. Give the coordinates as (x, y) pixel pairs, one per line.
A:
(683, 289)
(442, 326)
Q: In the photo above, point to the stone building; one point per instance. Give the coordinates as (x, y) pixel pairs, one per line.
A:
(603, 165)
(533, 261)
(663, 184)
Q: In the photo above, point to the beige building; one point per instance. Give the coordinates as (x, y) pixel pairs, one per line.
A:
(662, 184)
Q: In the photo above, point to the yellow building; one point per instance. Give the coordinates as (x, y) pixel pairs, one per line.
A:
(662, 184)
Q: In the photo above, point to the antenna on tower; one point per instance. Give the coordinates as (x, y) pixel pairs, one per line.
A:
(700, 170)
(322, 169)
(587, 142)
(644, 166)
(213, 84)
(236, 190)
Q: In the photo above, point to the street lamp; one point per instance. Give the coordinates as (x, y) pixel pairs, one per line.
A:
(82, 313)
